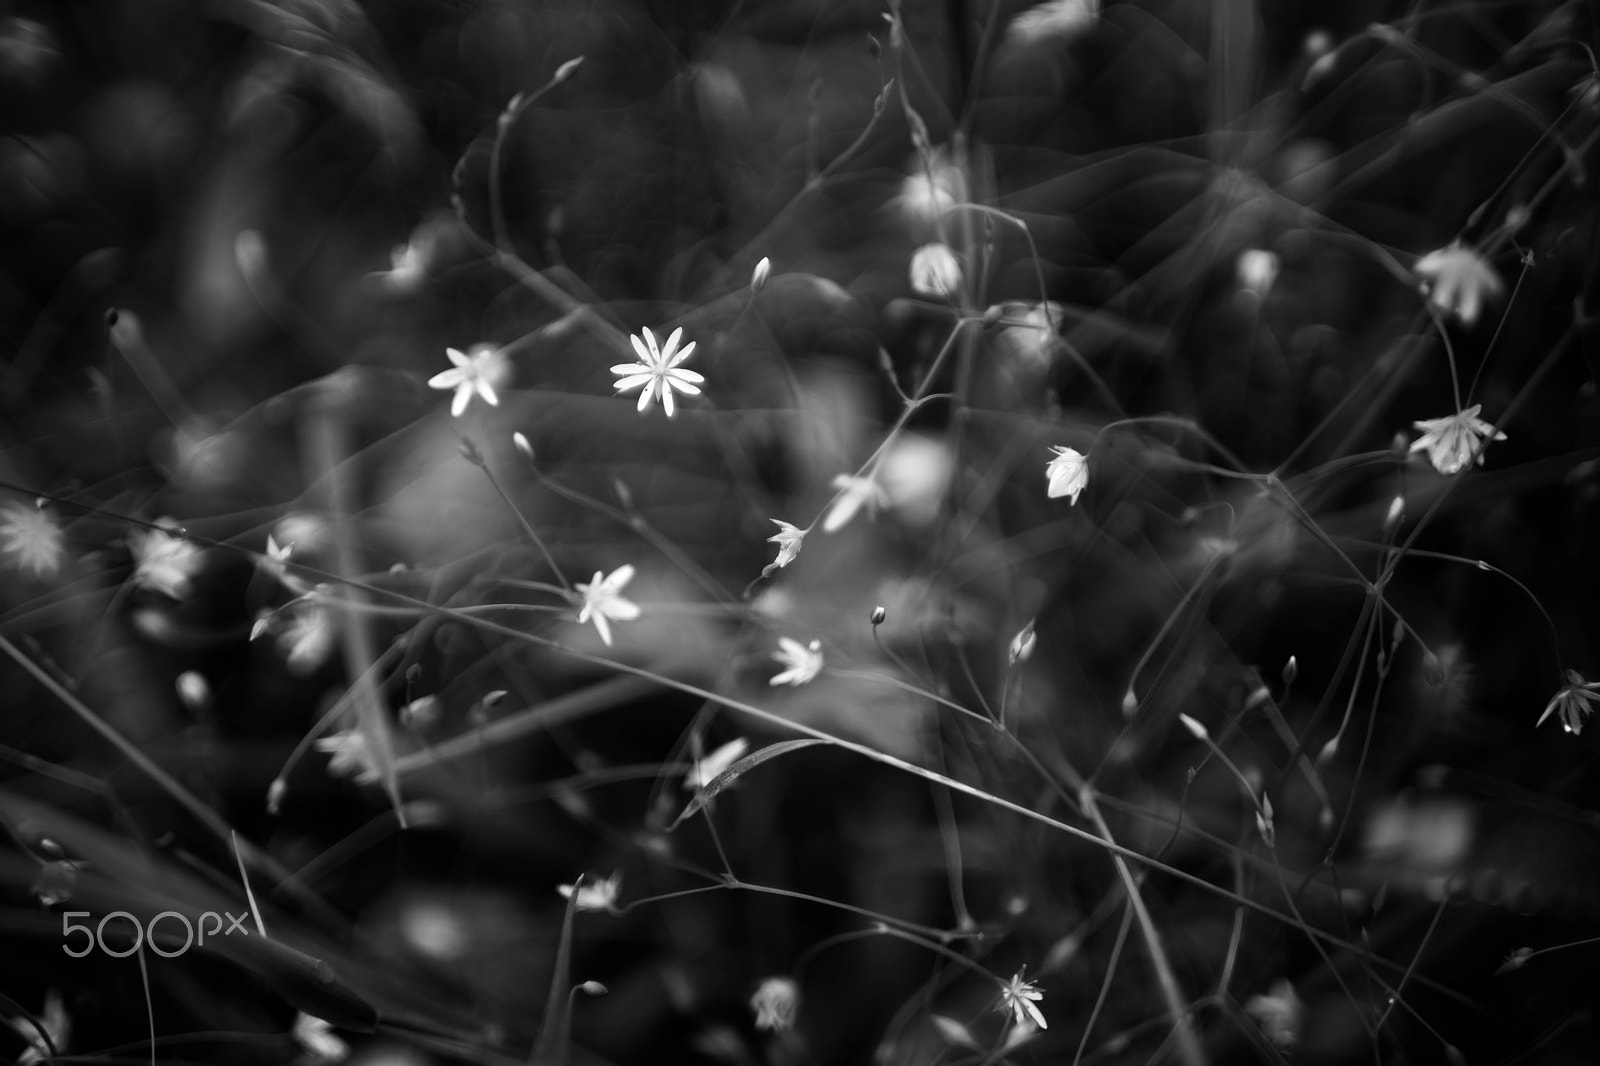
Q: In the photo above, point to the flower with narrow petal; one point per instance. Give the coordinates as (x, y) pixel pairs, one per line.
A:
(801, 662)
(31, 538)
(659, 370)
(854, 493)
(603, 602)
(1279, 1014)
(1021, 998)
(706, 770)
(1451, 441)
(1575, 702)
(598, 895)
(352, 756)
(1458, 281)
(1068, 473)
(163, 561)
(1054, 18)
(308, 634)
(935, 271)
(317, 1040)
(476, 372)
(788, 540)
(776, 1003)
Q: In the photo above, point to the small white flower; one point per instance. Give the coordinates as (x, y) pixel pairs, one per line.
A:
(56, 1024)
(854, 493)
(352, 756)
(1573, 703)
(930, 192)
(801, 662)
(1032, 336)
(659, 370)
(1021, 998)
(477, 372)
(706, 770)
(1458, 281)
(935, 271)
(776, 1004)
(1278, 1013)
(163, 562)
(308, 634)
(317, 1039)
(1450, 441)
(1068, 473)
(31, 538)
(788, 540)
(1055, 18)
(598, 895)
(603, 601)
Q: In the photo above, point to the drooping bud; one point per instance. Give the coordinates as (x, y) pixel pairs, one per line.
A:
(758, 277)
(878, 615)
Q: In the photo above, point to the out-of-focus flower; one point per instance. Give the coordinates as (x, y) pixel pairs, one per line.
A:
(1257, 269)
(801, 662)
(598, 895)
(1068, 473)
(1450, 441)
(776, 1004)
(1458, 281)
(603, 602)
(163, 561)
(706, 770)
(56, 883)
(31, 539)
(193, 691)
(308, 634)
(1021, 998)
(1062, 19)
(659, 369)
(930, 191)
(351, 756)
(854, 493)
(1029, 332)
(56, 1025)
(935, 271)
(788, 540)
(317, 1040)
(1279, 1013)
(1575, 701)
(476, 372)
(915, 472)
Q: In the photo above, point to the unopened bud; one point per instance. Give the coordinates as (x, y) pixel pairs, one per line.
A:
(275, 793)
(194, 692)
(758, 277)
(1194, 726)
(1291, 670)
(567, 70)
(523, 446)
(878, 615)
(594, 988)
(413, 673)
(1022, 644)
(1397, 508)
(1130, 704)
(420, 714)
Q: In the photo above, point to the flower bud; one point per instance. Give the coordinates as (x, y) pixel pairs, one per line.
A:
(1022, 644)
(1291, 670)
(758, 277)
(567, 70)
(523, 445)
(878, 615)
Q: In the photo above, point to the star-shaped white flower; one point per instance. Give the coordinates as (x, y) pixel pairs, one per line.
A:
(935, 271)
(1068, 473)
(1573, 703)
(352, 756)
(163, 561)
(854, 493)
(1450, 441)
(704, 771)
(788, 540)
(776, 1003)
(603, 602)
(801, 662)
(472, 373)
(31, 538)
(1458, 281)
(598, 895)
(659, 370)
(1021, 998)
